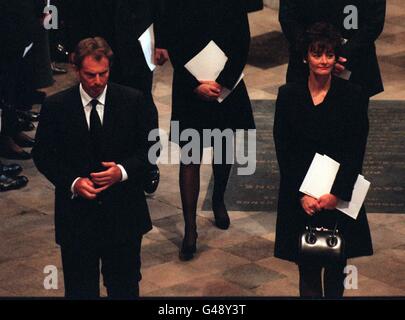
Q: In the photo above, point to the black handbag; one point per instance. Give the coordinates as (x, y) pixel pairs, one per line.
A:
(321, 246)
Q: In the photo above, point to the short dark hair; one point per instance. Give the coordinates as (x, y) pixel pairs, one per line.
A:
(96, 48)
(320, 37)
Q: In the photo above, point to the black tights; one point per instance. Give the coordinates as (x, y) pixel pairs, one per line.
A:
(190, 189)
(311, 281)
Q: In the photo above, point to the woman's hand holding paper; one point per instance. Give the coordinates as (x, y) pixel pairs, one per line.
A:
(209, 90)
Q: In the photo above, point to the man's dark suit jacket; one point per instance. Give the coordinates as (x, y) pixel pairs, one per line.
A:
(297, 15)
(63, 153)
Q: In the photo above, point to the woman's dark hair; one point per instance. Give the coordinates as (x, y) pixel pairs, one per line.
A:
(320, 37)
(94, 47)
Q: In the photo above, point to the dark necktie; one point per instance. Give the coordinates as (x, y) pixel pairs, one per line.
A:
(95, 133)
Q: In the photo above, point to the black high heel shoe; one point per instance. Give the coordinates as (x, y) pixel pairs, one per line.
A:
(188, 250)
(221, 216)
(10, 170)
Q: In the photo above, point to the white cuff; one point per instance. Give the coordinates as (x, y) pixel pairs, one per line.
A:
(72, 188)
(123, 173)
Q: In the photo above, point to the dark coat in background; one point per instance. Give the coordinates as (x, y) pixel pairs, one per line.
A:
(121, 23)
(337, 128)
(17, 24)
(188, 27)
(41, 51)
(254, 5)
(296, 16)
(20, 25)
(63, 153)
(88, 18)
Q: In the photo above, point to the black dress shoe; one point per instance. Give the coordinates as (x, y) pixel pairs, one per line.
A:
(152, 180)
(221, 216)
(24, 125)
(10, 170)
(24, 140)
(7, 183)
(188, 249)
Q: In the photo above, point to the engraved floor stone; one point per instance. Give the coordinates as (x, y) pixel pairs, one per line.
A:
(384, 164)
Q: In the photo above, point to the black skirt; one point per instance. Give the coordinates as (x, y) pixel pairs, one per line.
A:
(191, 112)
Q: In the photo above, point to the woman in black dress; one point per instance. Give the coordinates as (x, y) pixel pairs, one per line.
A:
(325, 115)
(189, 27)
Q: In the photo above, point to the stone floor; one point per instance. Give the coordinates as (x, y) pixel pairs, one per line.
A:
(237, 262)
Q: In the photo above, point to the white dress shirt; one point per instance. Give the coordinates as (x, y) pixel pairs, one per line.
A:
(86, 101)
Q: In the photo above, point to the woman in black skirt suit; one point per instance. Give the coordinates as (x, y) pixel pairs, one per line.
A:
(189, 27)
(325, 115)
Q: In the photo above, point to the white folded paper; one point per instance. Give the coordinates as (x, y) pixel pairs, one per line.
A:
(320, 176)
(360, 191)
(208, 64)
(147, 41)
(319, 181)
(27, 49)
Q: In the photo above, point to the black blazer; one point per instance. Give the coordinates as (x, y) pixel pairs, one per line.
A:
(63, 152)
(296, 16)
(337, 128)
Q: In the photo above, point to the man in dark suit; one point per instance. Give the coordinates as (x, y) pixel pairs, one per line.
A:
(92, 145)
(121, 23)
(359, 52)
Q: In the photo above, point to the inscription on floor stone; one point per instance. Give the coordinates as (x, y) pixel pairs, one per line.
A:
(384, 164)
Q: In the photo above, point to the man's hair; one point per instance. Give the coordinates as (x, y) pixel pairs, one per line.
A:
(96, 48)
(320, 37)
